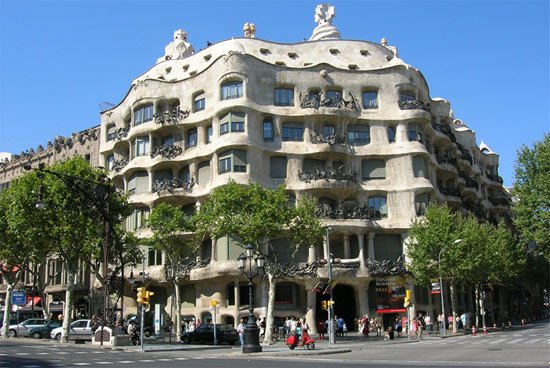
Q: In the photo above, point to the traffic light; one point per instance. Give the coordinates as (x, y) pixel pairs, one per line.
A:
(147, 295)
(323, 304)
(407, 301)
(141, 295)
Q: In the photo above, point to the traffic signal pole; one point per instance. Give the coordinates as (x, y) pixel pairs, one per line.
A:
(142, 305)
(331, 334)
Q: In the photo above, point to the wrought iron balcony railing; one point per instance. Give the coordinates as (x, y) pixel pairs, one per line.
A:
(340, 211)
(170, 117)
(320, 173)
(330, 139)
(414, 105)
(170, 185)
(170, 151)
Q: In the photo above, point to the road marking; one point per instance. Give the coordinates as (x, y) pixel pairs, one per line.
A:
(532, 341)
(31, 366)
(126, 361)
(22, 353)
(43, 353)
(165, 360)
(104, 363)
(182, 358)
(81, 363)
(62, 353)
(146, 361)
(515, 341)
(497, 341)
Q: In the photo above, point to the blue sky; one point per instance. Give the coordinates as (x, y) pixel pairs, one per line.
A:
(60, 59)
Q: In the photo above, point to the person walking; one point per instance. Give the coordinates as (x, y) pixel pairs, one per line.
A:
(398, 326)
(379, 325)
(419, 326)
(321, 330)
(240, 331)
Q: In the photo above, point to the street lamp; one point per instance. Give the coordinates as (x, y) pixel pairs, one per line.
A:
(443, 289)
(251, 330)
(331, 332)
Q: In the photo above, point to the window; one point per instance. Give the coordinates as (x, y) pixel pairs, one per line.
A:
(111, 129)
(142, 146)
(420, 167)
(421, 202)
(277, 167)
(370, 100)
(328, 130)
(391, 134)
(110, 162)
(232, 90)
(209, 134)
(387, 247)
(184, 174)
(232, 160)
(268, 130)
(192, 138)
(379, 205)
(373, 169)
(228, 248)
(309, 164)
(293, 132)
(199, 102)
(286, 294)
(232, 122)
(138, 183)
(155, 257)
(358, 135)
(284, 97)
(143, 115)
(415, 132)
(137, 219)
(406, 96)
(167, 141)
(204, 173)
(333, 95)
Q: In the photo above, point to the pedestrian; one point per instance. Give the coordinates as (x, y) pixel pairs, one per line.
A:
(340, 326)
(288, 323)
(420, 326)
(262, 326)
(379, 325)
(133, 332)
(391, 334)
(398, 326)
(428, 323)
(94, 324)
(321, 330)
(240, 331)
(365, 324)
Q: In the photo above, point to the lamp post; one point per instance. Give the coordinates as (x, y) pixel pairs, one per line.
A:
(442, 288)
(245, 263)
(331, 332)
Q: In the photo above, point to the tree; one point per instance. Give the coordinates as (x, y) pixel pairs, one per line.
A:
(434, 251)
(16, 251)
(78, 215)
(531, 193)
(172, 234)
(255, 216)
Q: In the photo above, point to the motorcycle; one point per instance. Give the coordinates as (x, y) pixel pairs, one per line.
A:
(294, 340)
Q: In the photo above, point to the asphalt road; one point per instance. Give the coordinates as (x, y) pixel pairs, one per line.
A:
(521, 347)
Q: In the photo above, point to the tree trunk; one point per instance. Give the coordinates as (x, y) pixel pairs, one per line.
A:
(68, 307)
(7, 311)
(453, 304)
(477, 305)
(177, 320)
(270, 306)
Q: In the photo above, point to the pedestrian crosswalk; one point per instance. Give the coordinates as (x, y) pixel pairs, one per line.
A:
(495, 339)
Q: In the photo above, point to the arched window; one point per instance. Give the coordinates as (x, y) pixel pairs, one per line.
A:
(231, 90)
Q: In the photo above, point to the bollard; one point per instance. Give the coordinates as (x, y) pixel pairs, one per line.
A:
(484, 330)
(474, 331)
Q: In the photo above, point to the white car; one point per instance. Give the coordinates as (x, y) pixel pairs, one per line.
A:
(80, 329)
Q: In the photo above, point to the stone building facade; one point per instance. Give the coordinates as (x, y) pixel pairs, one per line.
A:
(348, 122)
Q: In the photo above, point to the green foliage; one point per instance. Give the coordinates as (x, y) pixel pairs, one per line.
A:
(172, 234)
(531, 193)
(471, 252)
(256, 215)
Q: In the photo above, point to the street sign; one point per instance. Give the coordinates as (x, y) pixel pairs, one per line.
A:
(18, 297)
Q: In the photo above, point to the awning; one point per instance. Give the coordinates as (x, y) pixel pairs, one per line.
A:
(396, 310)
(37, 300)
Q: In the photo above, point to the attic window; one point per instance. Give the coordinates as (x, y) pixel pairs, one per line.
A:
(307, 64)
(207, 57)
(292, 55)
(264, 51)
(334, 51)
(279, 63)
(353, 66)
(364, 52)
(193, 72)
(161, 77)
(168, 70)
(185, 67)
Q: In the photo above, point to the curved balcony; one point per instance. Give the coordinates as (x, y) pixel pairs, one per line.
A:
(414, 105)
(171, 117)
(331, 139)
(316, 100)
(170, 185)
(340, 211)
(445, 130)
(166, 151)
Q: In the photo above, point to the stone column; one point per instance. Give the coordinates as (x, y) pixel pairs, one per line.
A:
(311, 299)
(361, 243)
(312, 254)
(150, 177)
(347, 250)
(363, 296)
(371, 254)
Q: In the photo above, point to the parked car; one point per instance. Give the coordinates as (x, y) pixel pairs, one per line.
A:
(38, 332)
(80, 329)
(205, 334)
(22, 315)
(22, 329)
